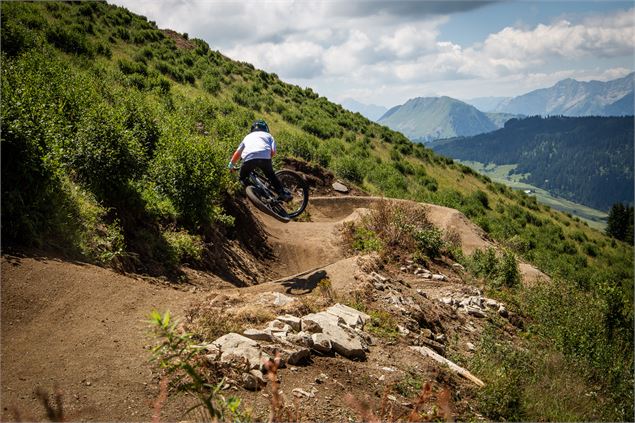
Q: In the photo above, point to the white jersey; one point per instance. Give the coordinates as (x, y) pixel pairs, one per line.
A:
(257, 145)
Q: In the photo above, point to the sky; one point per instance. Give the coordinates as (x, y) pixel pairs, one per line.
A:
(385, 52)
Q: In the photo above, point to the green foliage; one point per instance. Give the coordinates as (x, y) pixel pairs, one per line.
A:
(429, 242)
(71, 40)
(104, 154)
(508, 274)
(505, 370)
(348, 167)
(590, 331)
(365, 240)
(191, 172)
(187, 248)
(620, 223)
(211, 84)
(184, 363)
(20, 23)
(498, 272)
(387, 178)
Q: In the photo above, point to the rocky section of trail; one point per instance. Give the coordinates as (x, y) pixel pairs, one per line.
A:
(408, 332)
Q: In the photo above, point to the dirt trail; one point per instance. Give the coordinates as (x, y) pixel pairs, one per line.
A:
(82, 328)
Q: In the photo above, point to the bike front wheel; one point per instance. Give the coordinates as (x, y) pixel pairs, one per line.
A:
(299, 190)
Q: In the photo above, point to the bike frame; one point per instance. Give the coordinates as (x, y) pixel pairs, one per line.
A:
(262, 187)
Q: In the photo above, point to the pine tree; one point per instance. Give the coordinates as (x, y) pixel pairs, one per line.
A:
(620, 222)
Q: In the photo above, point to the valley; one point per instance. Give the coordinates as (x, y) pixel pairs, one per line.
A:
(501, 173)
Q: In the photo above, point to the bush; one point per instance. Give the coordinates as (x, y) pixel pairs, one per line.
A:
(71, 40)
(190, 171)
(387, 179)
(507, 273)
(104, 154)
(505, 370)
(211, 84)
(186, 248)
(348, 168)
(128, 67)
(392, 229)
(19, 21)
(362, 239)
(498, 272)
(429, 242)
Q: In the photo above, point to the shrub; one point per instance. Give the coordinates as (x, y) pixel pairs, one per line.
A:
(187, 248)
(483, 263)
(505, 369)
(191, 172)
(481, 197)
(299, 145)
(128, 67)
(429, 242)
(507, 273)
(388, 179)
(19, 21)
(348, 168)
(70, 40)
(365, 240)
(391, 229)
(104, 154)
(211, 84)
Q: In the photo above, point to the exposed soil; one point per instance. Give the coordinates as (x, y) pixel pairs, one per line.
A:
(81, 329)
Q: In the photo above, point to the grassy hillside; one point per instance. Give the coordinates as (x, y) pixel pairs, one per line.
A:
(115, 141)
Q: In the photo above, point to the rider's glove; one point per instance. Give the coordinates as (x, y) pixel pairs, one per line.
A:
(230, 166)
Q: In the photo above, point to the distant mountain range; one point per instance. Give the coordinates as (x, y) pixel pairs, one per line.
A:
(425, 119)
(371, 111)
(588, 160)
(568, 98)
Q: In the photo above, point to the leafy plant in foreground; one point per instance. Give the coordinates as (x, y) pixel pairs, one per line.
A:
(184, 364)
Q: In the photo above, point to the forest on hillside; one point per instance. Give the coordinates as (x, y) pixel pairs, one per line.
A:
(588, 160)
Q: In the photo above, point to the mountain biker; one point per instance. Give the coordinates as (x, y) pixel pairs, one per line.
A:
(256, 150)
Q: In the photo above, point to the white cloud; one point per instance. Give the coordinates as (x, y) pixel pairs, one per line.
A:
(293, 59)
(392, 49)
(405, 42)
(597, 37)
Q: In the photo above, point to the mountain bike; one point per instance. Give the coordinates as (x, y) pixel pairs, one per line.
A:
(265, 198)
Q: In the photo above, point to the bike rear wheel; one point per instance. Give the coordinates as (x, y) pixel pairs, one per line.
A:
(264, 203)
(299, 190)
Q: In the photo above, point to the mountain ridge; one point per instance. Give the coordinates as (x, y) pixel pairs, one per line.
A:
(370, 111)
(424, 119)
(570, 97)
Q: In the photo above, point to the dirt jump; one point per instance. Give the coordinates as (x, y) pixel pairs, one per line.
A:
(82, 331)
